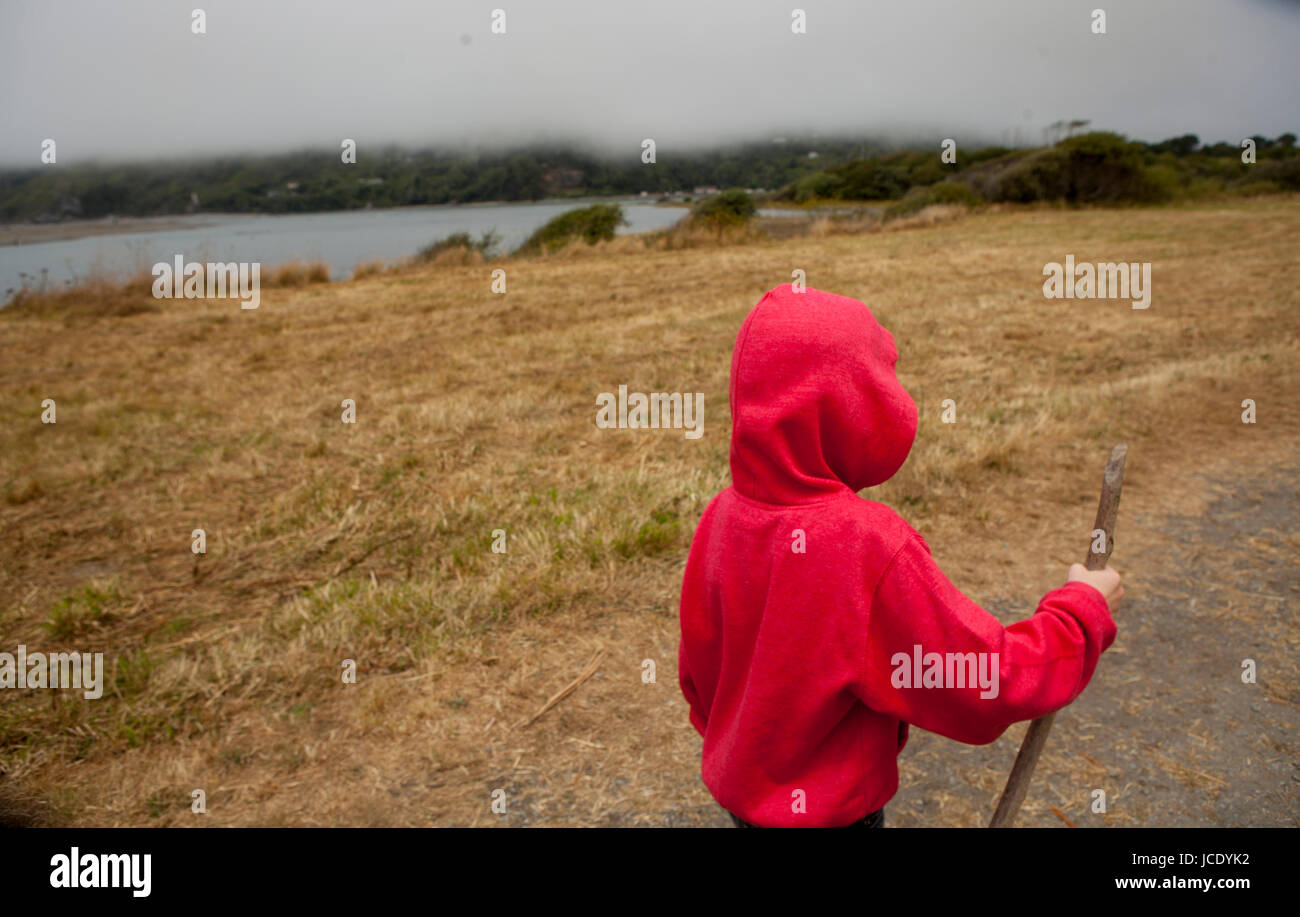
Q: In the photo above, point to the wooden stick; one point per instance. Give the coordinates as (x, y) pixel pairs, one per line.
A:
(1013, 794)
(572, 686)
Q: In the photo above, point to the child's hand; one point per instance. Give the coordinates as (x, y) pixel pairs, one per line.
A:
(1107, 582)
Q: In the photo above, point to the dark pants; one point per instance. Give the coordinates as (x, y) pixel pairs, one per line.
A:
(875, 819)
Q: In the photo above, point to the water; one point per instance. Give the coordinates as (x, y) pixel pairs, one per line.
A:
(342, 239)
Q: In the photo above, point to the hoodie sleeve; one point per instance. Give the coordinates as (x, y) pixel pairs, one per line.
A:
(1021, 672)
(698, 718)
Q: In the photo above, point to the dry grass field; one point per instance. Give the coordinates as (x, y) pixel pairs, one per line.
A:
(475, 412)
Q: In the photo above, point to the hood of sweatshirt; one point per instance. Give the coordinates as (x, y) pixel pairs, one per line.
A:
(816, 406)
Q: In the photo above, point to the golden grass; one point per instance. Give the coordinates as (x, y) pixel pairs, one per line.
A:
(475, 412)
(297, 274)
(98, 296)
(102, 296)
(372, 268)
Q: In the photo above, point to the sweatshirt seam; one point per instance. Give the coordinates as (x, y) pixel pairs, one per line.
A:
(862, 667)
(829, 498)
(875, 590)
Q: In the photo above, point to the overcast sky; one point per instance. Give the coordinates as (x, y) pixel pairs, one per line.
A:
(127, 79)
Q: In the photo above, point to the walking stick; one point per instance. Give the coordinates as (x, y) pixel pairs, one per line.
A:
(1013, 794)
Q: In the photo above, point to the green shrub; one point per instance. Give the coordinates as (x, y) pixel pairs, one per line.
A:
(1162, 182)
(593, 224)
(1099, 167)
(868, 180)
(1102, 166)
(461, 240)
(1284, 172)
(818, 186)
(1033, 178)
(944, 192)
(1253, 188)
(955, 192)
(733, 207)
(1179, 146)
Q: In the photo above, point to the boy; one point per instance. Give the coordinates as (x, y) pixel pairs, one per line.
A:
(810, 616)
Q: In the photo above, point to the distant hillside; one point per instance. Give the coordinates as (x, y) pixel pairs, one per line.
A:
(1090, 167)
(1097, 167)
(318, 181)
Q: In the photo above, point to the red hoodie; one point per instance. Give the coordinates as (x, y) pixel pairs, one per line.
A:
(804, 605)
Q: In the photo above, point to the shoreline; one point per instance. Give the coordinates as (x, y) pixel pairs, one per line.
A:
(67, 230)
